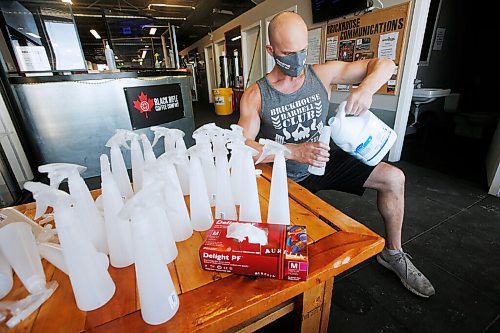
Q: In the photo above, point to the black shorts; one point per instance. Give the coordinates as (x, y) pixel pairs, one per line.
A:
(343, 172)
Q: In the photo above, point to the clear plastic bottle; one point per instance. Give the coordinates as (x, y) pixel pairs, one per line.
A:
(110, 57)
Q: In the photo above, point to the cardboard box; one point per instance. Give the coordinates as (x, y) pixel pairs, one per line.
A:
(284, 257)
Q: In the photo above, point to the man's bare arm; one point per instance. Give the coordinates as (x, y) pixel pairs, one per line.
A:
(371, 74)
(250, 119)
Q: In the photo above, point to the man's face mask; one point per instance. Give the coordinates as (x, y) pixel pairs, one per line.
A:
(292, 64)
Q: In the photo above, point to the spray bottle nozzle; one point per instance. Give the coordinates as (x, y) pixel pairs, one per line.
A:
(57, 172)
(46, 196)
(119, 139)
(271, 147)
(170, 134)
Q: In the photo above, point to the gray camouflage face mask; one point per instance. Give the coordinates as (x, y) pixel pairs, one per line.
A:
(292, 64)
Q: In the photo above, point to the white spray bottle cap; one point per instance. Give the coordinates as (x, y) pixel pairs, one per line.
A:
(271, 147)
(119, 139)
(131, 135)
(236, 133)
(203, 130)
(46, 196)
(57, 172)
(170, 134)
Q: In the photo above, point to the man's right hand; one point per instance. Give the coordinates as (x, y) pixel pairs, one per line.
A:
(312, 153)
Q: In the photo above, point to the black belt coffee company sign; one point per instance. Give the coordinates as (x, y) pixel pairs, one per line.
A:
(154, 105)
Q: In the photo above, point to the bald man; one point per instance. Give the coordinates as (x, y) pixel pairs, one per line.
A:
(290, 105)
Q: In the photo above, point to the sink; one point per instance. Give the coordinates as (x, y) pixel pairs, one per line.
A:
(424, 96)
(427, 95)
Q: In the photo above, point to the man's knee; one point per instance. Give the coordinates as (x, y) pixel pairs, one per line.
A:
(386, 177)
(395, 178)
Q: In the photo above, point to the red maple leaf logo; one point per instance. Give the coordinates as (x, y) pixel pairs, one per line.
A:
(144, 105)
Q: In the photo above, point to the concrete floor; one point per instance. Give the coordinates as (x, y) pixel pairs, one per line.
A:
(452, 230)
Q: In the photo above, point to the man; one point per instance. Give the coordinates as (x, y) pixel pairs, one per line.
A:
(290, 105)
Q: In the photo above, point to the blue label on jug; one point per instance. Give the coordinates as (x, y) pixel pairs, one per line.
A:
(362, 146)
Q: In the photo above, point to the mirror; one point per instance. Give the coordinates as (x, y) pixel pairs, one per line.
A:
(233, 53)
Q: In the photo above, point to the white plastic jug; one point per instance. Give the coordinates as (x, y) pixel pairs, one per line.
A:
(365, 137)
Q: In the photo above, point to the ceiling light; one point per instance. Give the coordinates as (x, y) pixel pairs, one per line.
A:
(154, 26)
(169, 18)
(32, 35)
(152, 31)
(171, 6)
(67, 1)
(144, 54)
(95, 34)
(236, 38)
(109, 16)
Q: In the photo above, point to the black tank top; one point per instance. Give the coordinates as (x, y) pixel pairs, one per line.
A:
(294, 118)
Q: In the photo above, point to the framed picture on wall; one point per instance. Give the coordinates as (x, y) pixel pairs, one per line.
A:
(314, 46)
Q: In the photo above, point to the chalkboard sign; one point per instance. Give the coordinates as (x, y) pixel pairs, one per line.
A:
(154, 105)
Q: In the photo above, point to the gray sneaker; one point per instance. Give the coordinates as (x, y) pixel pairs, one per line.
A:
(410, 276)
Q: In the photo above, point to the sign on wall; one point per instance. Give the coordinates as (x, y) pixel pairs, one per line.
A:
(154, 105)
(382, 33)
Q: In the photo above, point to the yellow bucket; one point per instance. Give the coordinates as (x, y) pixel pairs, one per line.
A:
(223, 100)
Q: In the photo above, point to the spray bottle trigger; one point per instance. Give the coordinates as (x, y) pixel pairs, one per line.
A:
(41, 208)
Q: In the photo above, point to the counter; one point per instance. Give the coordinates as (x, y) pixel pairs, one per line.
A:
(70, 118)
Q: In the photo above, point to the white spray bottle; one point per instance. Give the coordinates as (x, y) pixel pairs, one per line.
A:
(136, 158)
(6, 280)
(201, 213)
(92, 221)
(365, 137)
(92, 285)
(149, 155)
(174, 141)
(118, 166)
(151, 199)
(161, 132)
(118, 231)
(163, 170)
(224, 202)
(158, 297)
(279, 206)
(207, 160)
(324, 137)
(249, 194)
(236, 137)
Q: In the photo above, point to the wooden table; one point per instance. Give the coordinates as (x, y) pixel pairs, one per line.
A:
(215, 302)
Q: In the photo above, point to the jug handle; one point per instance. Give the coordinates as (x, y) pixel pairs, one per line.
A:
(341, 110)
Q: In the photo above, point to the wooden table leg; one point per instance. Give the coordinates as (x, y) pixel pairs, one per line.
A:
(312, 308)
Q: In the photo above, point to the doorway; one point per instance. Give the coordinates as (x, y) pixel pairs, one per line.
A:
(211, 73)
(219, 48)
(252, 54)
(454, 133)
